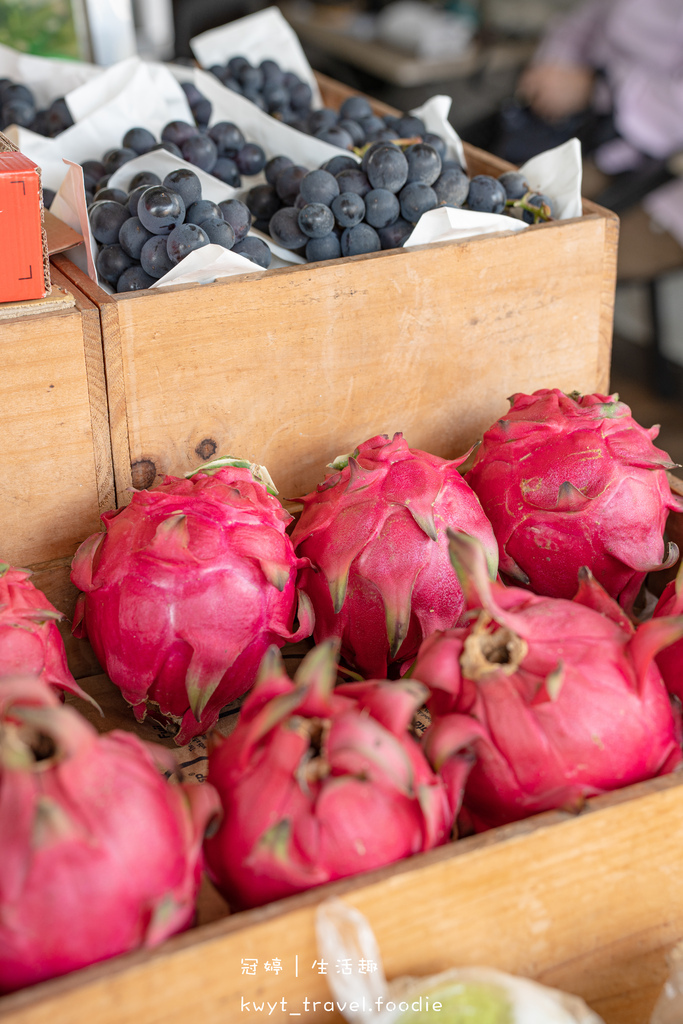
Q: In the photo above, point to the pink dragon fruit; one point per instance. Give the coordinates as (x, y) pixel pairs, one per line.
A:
(30, 642)
(559, 700)
(670, 660)
(100, 853)
(319, 783)
(571, 480)
(375, 534)
(187, 589)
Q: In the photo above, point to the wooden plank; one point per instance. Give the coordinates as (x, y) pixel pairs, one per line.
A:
(429, 341)
(55, 453)
(554, 898)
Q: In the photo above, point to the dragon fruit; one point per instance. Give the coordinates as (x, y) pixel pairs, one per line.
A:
(101, 854)
(186, 590)
(670, 660)
(30, 642)
(571, 480)
(375, 534)
(559, 700)
(319, 783)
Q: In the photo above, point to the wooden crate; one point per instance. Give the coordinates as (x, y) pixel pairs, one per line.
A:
(292, 367)
(56, 473)
(589, 903)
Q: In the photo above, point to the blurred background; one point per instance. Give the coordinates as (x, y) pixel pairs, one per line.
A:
(618, 85)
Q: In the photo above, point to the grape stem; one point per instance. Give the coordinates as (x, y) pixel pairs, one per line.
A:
(540, 213)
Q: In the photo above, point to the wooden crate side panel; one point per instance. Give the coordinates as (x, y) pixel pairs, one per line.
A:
(52, 484)
(552, 898)
(113, 373)
(97, 391)
(293, 367)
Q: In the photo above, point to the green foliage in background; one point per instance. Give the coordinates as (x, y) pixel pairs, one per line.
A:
(44, 27)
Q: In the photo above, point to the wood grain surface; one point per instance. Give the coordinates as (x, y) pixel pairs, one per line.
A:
(56, 471)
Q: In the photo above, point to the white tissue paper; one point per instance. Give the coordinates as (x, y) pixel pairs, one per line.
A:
(48, 78)
(130, 94)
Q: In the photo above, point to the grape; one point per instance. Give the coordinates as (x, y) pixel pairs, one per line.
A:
(201, 111)
(326, 248)
(134, 199)
(349, 209)
(387, 168)
(160, 209)
(106, 218)
(382, 208)
(139, 139)
(371, 125)
(48, 197)
(316, 220)
(288, 182)
(116, 158)
(237, 215)
(184, 239)
(254, 249)
(228, 138)
(225, 169)
(191, 92)
(133, 279)
(272, 72)
(514, 183)
(251, 159)
(133, 236)
(171, 148)
(353, 129)
(360, 239)
(542, 203)
(199, 211)
(284, 228)
(154, 257)
(111, 262)
(436, 142)
(300, 202)
(452, 186)
(486, 194)
(355, 108)
(275, 96)
(186, 182)
(393, 236)
(251, 78)
(335, 136)
(353, 181)
(19, 112)
(236, 63)
(319, 187)
(340, 163)
(416, 199)
(17, 91)
(301, 96)
(323, 118)
(424, 163)
(177, 132)
(274, 166)
(201, 151)
(409, 126)
(59, 117)
(219, 231)
(143, 178)
(117, 195)
(263, 201)
(93, 170)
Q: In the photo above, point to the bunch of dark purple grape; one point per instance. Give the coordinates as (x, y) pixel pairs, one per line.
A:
(281, 93)
(146, 232)
(510, 193)
(346, 209)
(220, 150)
(18, 106)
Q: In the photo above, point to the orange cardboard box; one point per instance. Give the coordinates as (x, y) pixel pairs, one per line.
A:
(24, 270)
